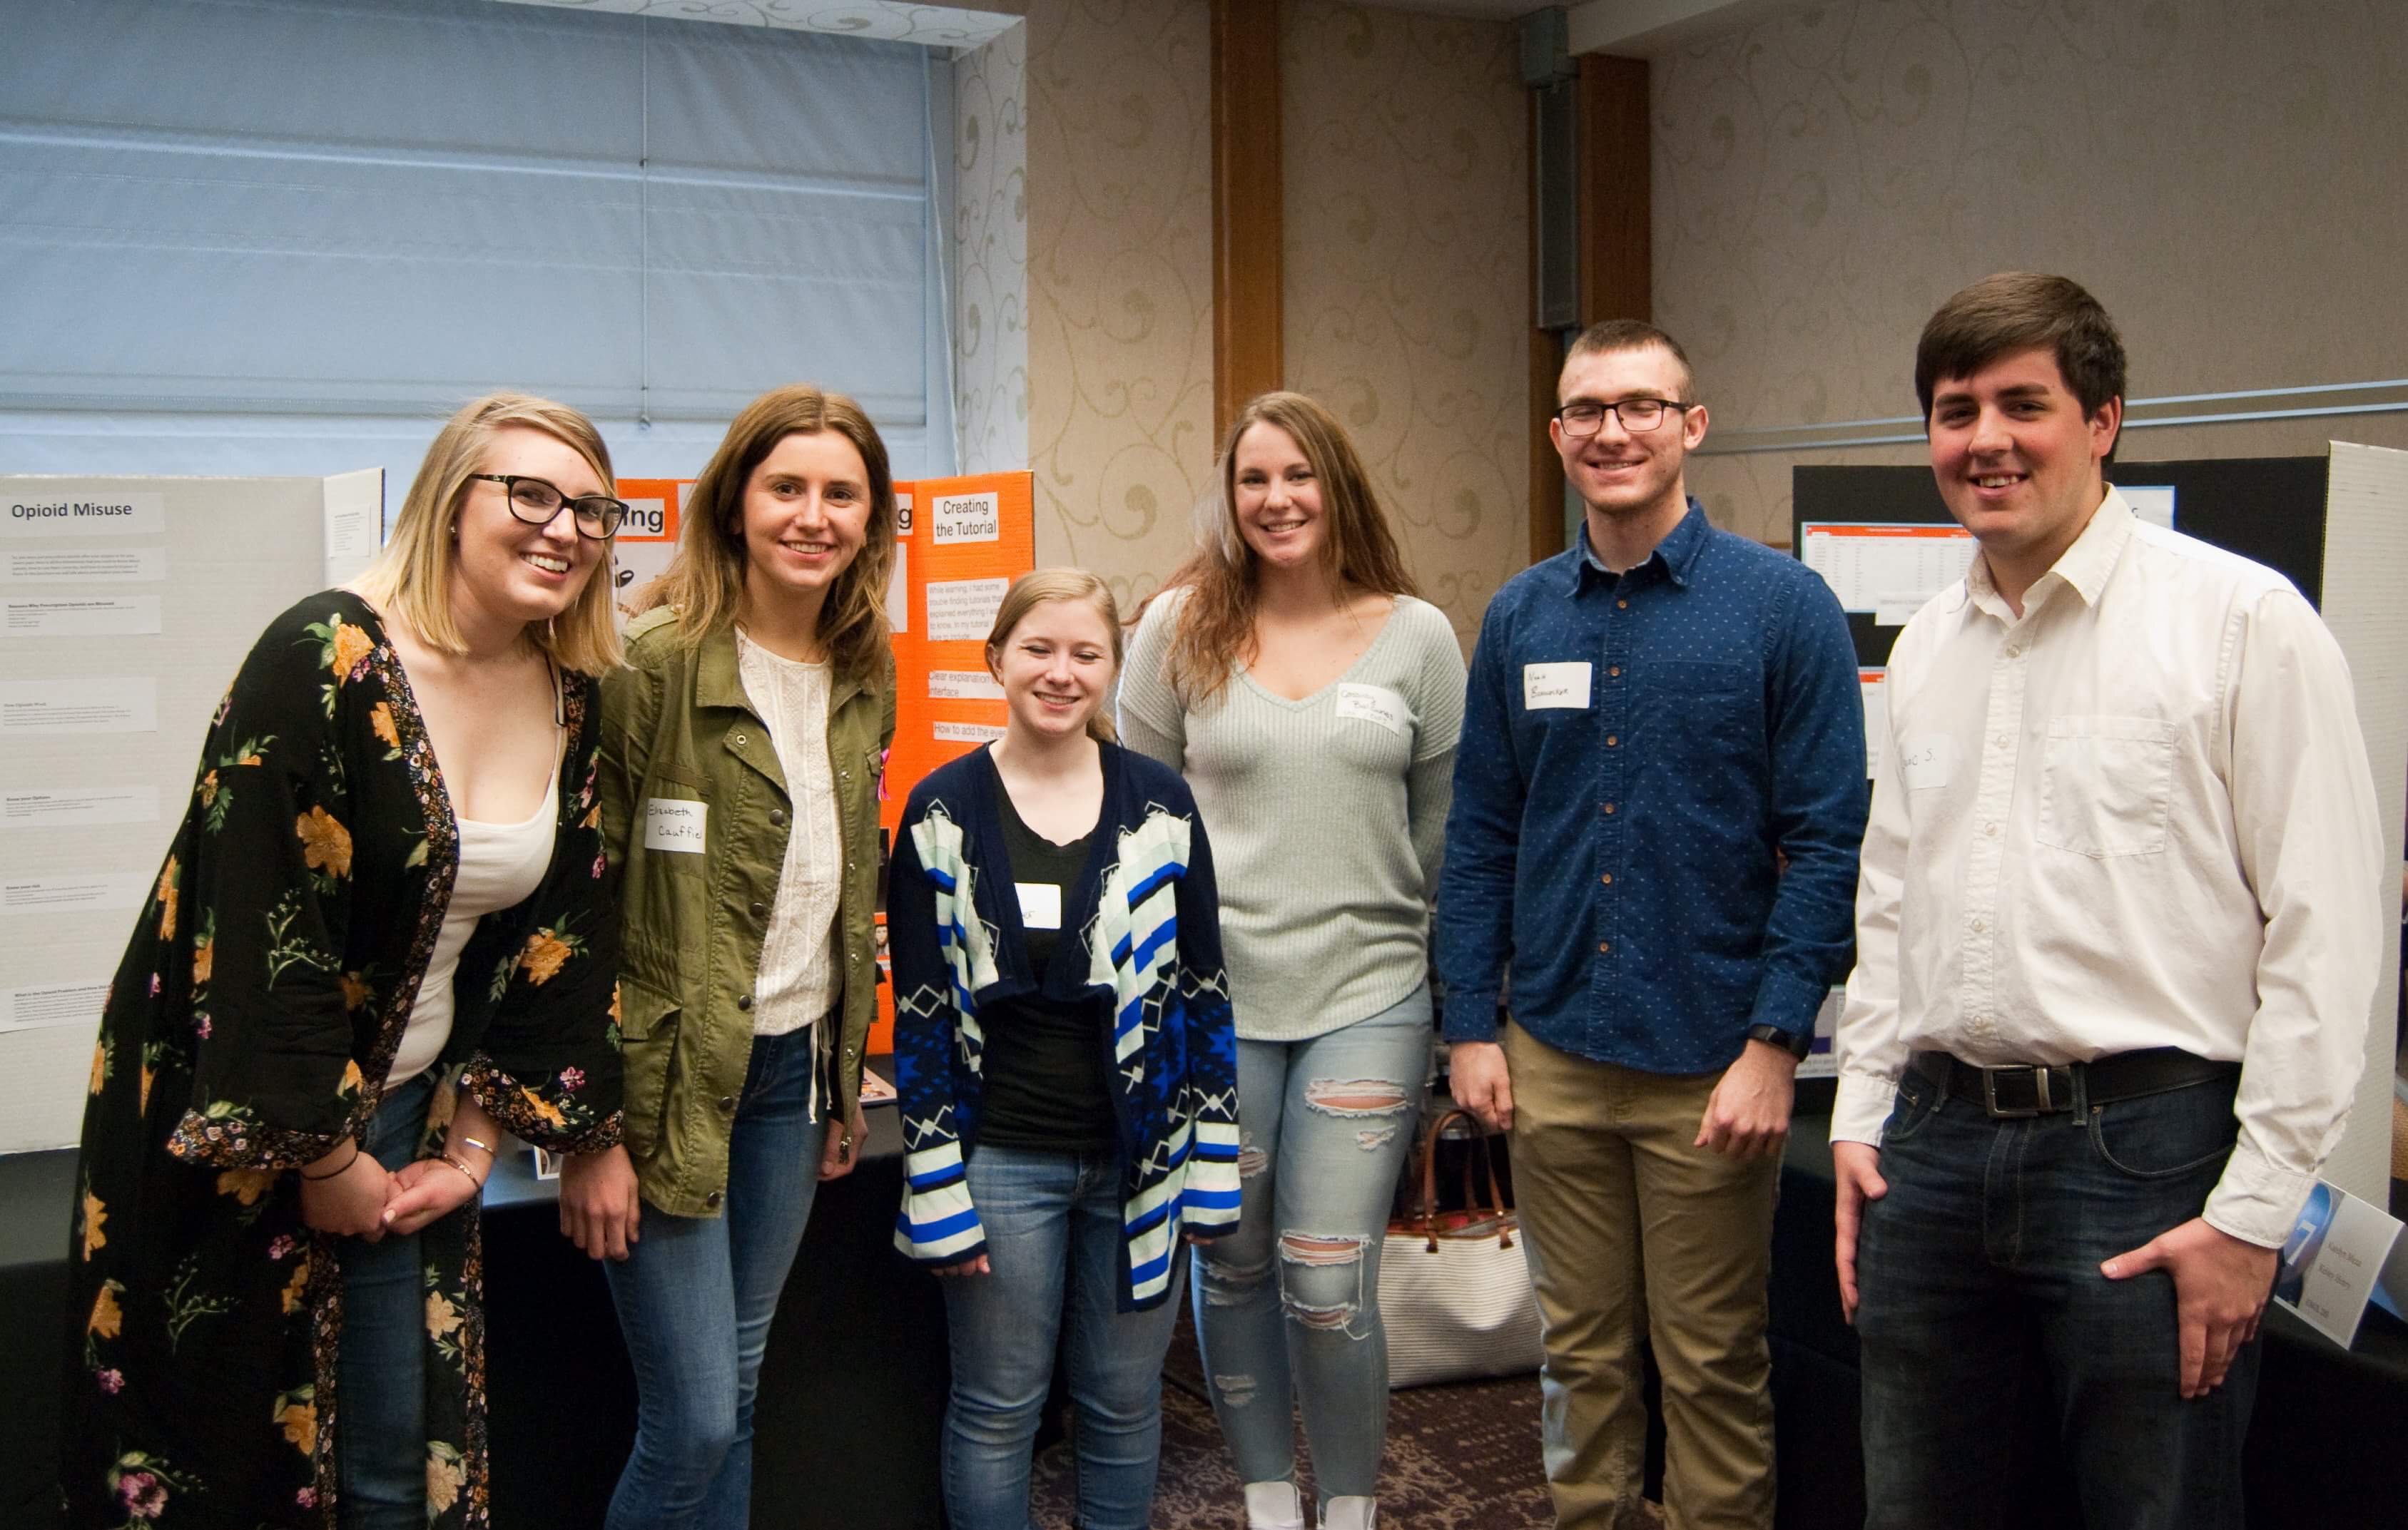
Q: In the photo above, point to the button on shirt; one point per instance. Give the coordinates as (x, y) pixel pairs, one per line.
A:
(1636, 750)
(2140, 815)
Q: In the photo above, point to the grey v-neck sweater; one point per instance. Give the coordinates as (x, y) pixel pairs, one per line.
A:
(1327, 815)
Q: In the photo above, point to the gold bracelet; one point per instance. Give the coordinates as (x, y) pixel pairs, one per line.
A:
(461, 1163)
(485, 1148)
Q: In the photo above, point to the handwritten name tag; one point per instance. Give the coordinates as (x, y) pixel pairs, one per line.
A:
(1040, 905)
(1927, 760)
(1374, 704)
(672, 824)
(1563, 684)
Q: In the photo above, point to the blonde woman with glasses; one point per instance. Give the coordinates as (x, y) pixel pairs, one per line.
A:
(379, 941)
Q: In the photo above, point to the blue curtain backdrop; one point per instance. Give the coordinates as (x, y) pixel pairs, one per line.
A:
(245, 236)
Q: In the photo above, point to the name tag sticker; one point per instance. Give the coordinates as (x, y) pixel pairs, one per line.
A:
(672, 824)
(1374, 704)
(1564, 684)
(1040, 905)
(1927, 760)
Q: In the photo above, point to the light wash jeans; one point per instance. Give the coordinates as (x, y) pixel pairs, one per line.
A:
(1054, 1230)
(1323, 1128)
(381, 1369)
(695, 1297)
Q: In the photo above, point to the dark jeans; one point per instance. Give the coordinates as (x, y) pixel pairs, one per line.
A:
(1984, 1256)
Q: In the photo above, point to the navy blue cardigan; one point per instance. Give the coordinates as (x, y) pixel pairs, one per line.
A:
(1147, 919)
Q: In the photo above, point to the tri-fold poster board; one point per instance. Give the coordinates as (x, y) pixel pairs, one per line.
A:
(2335, 525)
(126, 605)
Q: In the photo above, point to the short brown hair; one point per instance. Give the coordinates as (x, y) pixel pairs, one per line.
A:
(412, 577)
(1042, 587)
(1608, 335)
(1216, 629)
(2022, 310)
(705, 582)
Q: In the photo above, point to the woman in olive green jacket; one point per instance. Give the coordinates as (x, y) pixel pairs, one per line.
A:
(740, 761)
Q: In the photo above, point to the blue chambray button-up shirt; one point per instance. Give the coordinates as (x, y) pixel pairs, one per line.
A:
(1621, 857)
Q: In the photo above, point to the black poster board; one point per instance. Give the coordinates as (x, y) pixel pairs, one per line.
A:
(2268, 509)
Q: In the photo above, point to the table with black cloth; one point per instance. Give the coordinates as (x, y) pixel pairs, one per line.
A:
(853, 1388)
(2328, 1442)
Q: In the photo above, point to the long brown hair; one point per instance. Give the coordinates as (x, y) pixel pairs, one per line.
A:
(1217, 628)
(411, 577)
(706, 582)
(1042, 586)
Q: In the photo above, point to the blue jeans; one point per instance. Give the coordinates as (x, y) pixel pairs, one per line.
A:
(1323, 1128)
(380, 1371)
(695, 1297)
(1053, 1243)
(1987, 1249)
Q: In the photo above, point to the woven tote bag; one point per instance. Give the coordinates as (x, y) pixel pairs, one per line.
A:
(1454, 1287)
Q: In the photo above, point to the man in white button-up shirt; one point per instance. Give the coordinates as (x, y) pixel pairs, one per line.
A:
(2118, 931)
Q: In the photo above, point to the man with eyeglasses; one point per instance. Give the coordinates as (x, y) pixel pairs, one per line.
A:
(1650, 865)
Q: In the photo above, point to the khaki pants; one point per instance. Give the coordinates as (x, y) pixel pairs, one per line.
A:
(1629, 1225)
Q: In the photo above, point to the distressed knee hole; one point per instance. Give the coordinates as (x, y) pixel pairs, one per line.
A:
(1333, 1317)
(1252, 1160)
(1230, 1284)
(1320, 1248)
(1374, 1139)
(1235, 1391)
(1354, 1096)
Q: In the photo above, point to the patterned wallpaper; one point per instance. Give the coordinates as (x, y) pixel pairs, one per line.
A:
(991, 255)
(2221, 173)
(1120, 281)
(1405, 140)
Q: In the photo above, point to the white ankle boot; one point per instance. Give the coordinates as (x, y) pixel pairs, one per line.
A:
(1274, 1505)
(1349, 1514)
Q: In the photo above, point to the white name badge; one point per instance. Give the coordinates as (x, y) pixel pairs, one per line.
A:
(1040, 905)
(1374, 704)
(1927, 760)
(1563, 684)
(672, 824)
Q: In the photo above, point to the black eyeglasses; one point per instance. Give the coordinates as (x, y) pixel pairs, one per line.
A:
(536, 503)
(1637, 415)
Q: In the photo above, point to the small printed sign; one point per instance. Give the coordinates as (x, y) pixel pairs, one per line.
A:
(673, 823)
(966, 518)
(1374, 704)
(1556, 685)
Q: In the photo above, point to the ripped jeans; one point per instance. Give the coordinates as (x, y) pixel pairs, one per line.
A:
(1287, 1306)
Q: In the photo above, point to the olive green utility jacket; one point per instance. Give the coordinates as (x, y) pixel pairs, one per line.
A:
(677, 731)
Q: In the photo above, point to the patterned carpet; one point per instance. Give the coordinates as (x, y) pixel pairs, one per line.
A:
(1460, 1457)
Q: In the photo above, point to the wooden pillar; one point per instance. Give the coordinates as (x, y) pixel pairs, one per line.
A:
(1247, 222)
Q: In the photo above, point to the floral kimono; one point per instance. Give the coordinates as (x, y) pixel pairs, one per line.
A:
(248, 1030)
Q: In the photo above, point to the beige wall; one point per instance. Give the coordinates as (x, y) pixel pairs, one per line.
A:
(2223, 178)
(1120, 281)
(991, 255)
(1405, 140)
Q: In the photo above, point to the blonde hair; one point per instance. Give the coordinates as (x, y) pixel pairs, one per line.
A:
(411, 577)
(706, 582)
(1042, 587)
(1216, 628)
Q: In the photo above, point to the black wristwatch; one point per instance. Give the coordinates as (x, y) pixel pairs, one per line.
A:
(1797, 1045)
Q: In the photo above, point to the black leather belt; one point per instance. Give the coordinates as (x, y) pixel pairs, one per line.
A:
(2033, 1090)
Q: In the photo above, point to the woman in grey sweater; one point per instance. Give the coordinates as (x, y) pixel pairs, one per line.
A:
(1312, 700)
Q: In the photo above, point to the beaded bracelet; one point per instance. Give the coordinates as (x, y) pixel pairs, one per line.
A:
(334, 1173)
(462, 1165)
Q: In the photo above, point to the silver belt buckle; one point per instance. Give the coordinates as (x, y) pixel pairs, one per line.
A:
(1990, 1092)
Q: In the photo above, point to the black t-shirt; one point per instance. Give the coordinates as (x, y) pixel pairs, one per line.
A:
(1048, 1064)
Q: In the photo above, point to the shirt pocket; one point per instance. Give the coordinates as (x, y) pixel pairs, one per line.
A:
(1701, 724)
(648, 1034)
(2106, 785)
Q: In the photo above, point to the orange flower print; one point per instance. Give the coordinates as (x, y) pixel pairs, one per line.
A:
(210, 790)
(246, 1184)
(349, 646)
(544, 953)
(544, 1109)
(325, 844)
(355, 991)
(99, 1065)
(446, 1475)
(142, 1099)
(204, 961)
(593, 819)
(380, 718)
(166, 899)
(353, 1081)
(95, 1211)
(442, 1318)
(297, 1288)
(297, 1412)
(107, 1318)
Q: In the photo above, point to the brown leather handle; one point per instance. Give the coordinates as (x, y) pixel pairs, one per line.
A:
(1428, 1205)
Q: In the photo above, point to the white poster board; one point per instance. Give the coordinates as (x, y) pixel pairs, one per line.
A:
(126, 605)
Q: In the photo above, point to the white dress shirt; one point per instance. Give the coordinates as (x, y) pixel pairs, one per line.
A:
(798, 980)
(2140, 815)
